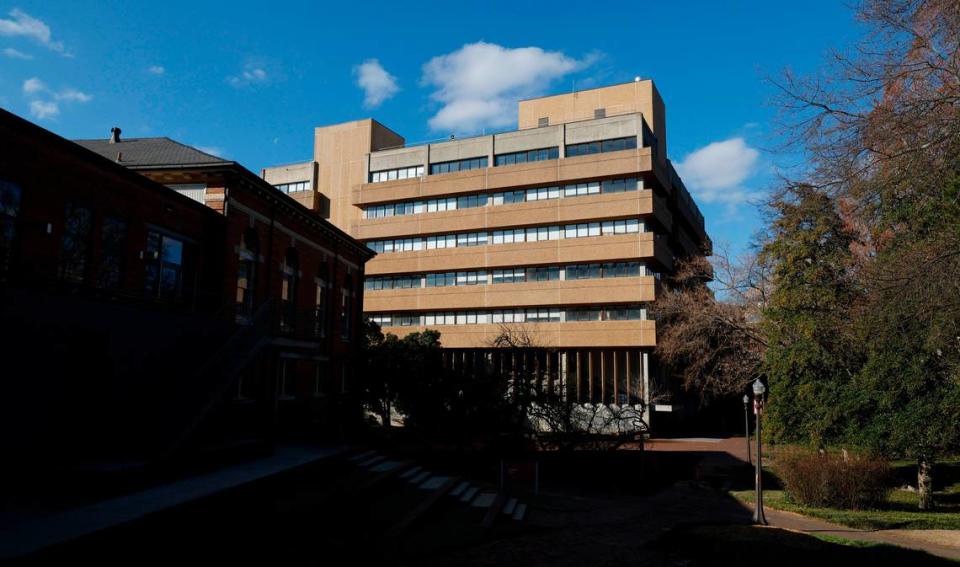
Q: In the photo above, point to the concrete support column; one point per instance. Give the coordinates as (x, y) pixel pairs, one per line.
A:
(627, 374)
(578, 374)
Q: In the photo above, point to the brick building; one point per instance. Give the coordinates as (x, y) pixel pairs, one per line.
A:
(155, 298)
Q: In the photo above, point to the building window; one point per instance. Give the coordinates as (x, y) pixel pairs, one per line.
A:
(531, 234)
(394, 174)
(164, 266)
(599, 113)
(75, 244)
(543, 121)
(320, 314)
(293, 187)
(621, 185)
(321, 379)
(10, 195)
(525, 156)
(612, 145)
(286, 372)
(504, 198)
(577, 189)
(471, 201)
(582, 271)
(113, 249)
(546, 274)
(346, 309)
(288, 291)
(458, 165)
(555, 314)
(247, 274)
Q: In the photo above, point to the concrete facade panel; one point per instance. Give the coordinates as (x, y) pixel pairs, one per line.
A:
(579, 334)
(529, 294)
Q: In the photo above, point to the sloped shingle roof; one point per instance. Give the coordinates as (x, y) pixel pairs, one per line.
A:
(136, 152)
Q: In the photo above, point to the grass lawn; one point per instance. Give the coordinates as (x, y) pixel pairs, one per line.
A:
(708, 545)
(900, 513)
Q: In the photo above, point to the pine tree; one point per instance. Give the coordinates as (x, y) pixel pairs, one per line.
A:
(810, 356)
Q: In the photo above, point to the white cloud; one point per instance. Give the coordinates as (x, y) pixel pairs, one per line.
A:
(22, 24)
(156, 70)
(715, 173)
(478, 85)
(73, 95)
(35, 89)
(251, 75)
(378, 85)
(16, 54)
(33, 85)
(42, 110)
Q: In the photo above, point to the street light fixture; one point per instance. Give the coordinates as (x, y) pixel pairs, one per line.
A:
(746, 425)
(758, 390)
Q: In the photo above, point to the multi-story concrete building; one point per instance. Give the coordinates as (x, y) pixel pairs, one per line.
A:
(562, 227)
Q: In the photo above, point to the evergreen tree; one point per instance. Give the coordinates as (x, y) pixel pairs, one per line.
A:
(810, 356)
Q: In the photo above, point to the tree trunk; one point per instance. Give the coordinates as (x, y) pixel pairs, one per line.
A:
(925, 482)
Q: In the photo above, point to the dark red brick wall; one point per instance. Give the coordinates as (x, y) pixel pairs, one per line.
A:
(53, 172)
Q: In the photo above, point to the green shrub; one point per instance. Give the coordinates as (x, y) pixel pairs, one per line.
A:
(834, 480)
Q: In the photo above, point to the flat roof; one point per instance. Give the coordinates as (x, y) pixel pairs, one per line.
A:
(587, 90)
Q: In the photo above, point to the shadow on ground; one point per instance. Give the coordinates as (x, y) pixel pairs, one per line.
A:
(722, 545)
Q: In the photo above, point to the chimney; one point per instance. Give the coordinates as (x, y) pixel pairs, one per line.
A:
(114, 135)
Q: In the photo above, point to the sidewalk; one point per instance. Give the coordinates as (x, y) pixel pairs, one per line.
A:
(721, 453)
(35, 534)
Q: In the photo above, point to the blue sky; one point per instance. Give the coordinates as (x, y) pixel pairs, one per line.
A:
(249, 80)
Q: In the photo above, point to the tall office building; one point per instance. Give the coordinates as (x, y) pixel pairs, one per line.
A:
(563, 228)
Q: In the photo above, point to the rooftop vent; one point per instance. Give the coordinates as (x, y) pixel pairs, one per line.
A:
(600, 113)
(541, 122)
(114, 135)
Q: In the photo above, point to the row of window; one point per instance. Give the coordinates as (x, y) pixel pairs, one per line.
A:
(571, 150)
(458, 165)
(393, 174)
(510, 275)
(163, 255)
(295, 187)
(529, 234)
(603, 146)
(529, 155)
(311, 320)
(529, 315)
(503, 198)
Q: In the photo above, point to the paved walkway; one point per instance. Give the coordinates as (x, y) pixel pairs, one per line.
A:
(720, 453)
(35, 534)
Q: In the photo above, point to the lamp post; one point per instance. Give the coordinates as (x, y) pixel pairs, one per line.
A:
(758, 391)
(746, 425)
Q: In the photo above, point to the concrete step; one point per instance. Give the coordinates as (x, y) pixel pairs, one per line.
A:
(510, 506)
(434, 482)
(469, 494)
(417, 479)
(411, 472)
(363, 455)
(385, 466)
(372, 461)
(484, 500)
(458, 490)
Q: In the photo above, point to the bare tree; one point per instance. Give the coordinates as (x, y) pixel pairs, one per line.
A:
(546, 407)
(710, 338)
